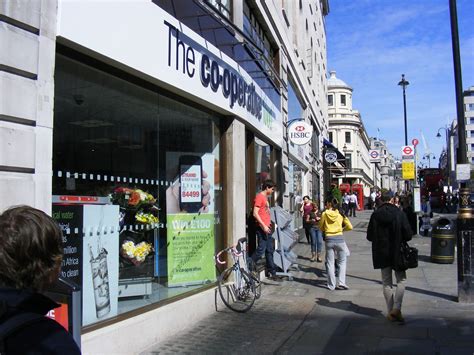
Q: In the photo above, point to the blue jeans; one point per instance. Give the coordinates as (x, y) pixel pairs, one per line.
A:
(265, 246)
(316, 240)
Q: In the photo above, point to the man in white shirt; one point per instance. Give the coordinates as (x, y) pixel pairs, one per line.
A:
(353, 204)
(373, 196)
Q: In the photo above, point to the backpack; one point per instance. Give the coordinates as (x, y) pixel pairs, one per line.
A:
(10, 322)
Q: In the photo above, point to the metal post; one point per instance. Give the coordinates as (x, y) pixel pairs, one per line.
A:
(464, 218)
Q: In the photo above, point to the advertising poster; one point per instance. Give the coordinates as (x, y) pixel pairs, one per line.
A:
(190, 219)
(100, 262)
(69, 218)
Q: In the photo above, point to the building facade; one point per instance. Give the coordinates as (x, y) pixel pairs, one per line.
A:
(146, 135)
(347, 132)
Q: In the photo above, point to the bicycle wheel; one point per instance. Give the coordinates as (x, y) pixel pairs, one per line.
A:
(252, 267)
(237, 289)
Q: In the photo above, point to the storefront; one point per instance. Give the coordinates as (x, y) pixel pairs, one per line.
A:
(143, 156)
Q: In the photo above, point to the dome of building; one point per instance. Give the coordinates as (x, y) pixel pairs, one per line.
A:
(334, 82)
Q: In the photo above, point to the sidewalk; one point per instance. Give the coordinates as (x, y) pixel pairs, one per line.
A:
(302, 317)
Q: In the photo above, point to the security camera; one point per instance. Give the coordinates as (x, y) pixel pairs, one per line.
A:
(79, 99)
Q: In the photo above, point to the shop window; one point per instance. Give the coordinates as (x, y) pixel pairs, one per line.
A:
(348, 137)
(262, 163)
(136, 189)
(343, 100)
(331, 100)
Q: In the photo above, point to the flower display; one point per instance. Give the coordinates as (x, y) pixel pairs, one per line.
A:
(126, 197)
(146, 218)
(136, 253)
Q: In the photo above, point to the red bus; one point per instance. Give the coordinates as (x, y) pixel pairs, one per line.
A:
(431, 181)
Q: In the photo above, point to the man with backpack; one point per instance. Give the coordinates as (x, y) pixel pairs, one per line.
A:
(31, 254)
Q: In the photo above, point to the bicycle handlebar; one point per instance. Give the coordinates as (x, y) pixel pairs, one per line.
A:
(236, 250)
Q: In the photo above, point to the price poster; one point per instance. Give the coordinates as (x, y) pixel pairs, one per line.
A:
(190, 220)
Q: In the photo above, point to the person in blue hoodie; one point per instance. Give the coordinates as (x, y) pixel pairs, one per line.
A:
(31, 254)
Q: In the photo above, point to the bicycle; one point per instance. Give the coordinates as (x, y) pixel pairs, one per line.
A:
(238, 286)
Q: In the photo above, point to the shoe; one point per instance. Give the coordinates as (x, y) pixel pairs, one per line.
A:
(395, 315)
(342, 287)
(319, 258)
(313, 257)
(275, 278)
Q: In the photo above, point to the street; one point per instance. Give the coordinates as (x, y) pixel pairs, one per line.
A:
(302, 317)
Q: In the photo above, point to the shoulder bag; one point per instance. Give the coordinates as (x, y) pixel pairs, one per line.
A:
(408, 256)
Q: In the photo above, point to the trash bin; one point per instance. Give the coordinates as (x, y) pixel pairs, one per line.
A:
(443, 242)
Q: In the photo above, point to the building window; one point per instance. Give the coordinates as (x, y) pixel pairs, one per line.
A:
(470, 107)
(343, 100)
(330, 136)
(471, 120)
(315, 142)
(223, 6)
(330, 100)
(472, 147)
(348, 161)
(295, 107)
(348, 137)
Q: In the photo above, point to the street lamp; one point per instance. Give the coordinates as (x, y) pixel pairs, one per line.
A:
(344, 149)
(404, 83)
(427, 156)
(448, 151)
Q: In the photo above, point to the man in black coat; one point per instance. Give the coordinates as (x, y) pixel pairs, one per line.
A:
(388, 227)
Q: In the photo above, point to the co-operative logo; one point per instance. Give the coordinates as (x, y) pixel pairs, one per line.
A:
(300, 133)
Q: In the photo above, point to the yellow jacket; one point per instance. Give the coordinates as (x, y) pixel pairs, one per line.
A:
(332, 223)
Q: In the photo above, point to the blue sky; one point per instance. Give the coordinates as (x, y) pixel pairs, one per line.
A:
(372, 42)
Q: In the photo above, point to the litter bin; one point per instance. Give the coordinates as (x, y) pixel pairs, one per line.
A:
(443, 242)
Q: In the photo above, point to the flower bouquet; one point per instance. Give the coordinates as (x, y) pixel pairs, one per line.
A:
(146, 218)
(135, 253)
(131, 198)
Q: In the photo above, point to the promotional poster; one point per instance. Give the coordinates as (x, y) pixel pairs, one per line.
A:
(100, 262)
(190, 219)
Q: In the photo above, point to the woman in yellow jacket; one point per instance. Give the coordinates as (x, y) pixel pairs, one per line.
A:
(333, 222)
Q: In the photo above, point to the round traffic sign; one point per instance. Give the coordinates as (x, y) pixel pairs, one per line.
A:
(407, 150)
(415, 142)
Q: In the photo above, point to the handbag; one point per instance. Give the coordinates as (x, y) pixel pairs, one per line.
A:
(408, 256)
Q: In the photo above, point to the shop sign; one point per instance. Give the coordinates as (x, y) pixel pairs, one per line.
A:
(172, 55)
(374, 156)
(330, 157)
(300, 133)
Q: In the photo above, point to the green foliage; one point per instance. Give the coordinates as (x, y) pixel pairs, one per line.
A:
(336, 193)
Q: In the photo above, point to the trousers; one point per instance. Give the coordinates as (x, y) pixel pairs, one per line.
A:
(393, 295)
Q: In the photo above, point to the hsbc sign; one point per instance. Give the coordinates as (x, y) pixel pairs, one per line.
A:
(300, 132)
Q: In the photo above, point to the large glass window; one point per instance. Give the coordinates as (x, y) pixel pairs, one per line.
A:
(262, 162)
(136, 189)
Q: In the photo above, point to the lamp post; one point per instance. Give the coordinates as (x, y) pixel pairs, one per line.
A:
(344, 149)
(448, 151)
(404, 83)
(427, 156)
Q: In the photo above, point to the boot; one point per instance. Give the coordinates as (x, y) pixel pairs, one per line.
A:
(319, 258)
(313, 256)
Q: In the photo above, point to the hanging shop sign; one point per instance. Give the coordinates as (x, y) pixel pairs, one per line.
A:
(300, 132)
(374, 156)
(330, 157)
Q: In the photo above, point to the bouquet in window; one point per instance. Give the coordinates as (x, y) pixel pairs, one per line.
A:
(135, 253)
(131, 198)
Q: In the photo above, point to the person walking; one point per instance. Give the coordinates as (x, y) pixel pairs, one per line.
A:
(333, 223)
(346, 198)
(373, 197)
(306, 208)
(316, 236)
(31, 253)
(388, 228)
(353, 204)
(261, 213)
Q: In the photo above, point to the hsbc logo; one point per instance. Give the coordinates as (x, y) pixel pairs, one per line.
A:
(300, 133)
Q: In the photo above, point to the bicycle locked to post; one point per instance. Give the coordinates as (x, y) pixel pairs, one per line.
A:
(239, 285)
